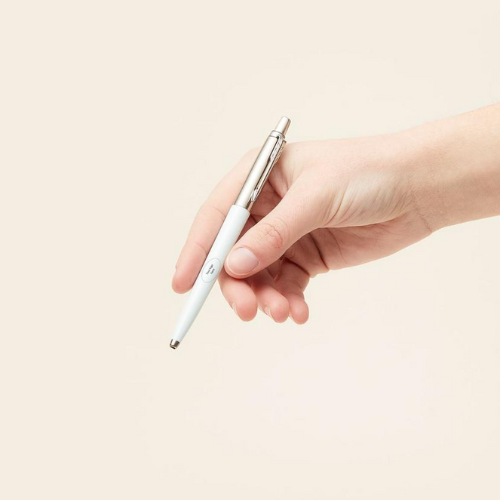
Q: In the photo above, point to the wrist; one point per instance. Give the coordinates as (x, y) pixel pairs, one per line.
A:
(454, 166)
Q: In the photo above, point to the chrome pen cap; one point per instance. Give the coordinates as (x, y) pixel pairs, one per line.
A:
(263, 164)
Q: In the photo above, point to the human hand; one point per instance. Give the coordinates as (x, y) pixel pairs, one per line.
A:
(327, 205)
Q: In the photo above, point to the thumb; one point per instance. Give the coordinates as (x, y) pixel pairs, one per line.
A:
(271, 237)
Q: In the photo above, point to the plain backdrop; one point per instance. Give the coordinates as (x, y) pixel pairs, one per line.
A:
(117, 118)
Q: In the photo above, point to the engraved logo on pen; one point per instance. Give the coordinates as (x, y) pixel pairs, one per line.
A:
(211, 270)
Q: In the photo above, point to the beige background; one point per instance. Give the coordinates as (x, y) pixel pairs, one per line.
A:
(116, 120)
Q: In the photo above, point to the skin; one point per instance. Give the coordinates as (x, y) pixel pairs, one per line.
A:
(339, 203)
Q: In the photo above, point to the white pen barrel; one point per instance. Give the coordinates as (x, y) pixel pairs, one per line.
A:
(226, 238)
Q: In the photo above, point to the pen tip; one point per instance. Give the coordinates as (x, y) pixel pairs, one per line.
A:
(174, 344)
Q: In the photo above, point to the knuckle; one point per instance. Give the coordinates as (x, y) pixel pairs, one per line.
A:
(275, 233)
(249, 157)
(252, 153)
(209, 210)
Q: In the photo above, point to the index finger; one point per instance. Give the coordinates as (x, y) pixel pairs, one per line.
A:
(206, 225)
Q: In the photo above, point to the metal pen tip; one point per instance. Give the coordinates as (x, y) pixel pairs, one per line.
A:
(174, 344)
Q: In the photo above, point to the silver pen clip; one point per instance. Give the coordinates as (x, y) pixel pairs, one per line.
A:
(275, 154)
(263, 165)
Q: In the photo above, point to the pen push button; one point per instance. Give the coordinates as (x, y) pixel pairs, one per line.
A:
(211, 270)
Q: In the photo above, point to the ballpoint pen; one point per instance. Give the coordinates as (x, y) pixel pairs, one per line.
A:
(231, 228)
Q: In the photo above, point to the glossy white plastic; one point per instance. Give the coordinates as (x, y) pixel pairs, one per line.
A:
(226, 238)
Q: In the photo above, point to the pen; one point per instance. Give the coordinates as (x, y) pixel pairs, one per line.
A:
(231, 229)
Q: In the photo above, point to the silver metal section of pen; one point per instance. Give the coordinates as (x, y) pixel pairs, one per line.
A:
(231, 228)
(264, 163)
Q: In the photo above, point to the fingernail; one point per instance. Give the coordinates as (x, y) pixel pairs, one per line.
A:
(267, 310)
(233, 305)
(242, 261)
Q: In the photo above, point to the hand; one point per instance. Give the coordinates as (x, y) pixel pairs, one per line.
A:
(328, 205)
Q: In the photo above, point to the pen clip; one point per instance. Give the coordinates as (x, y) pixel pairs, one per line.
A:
(273, 158)
(263, 165)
